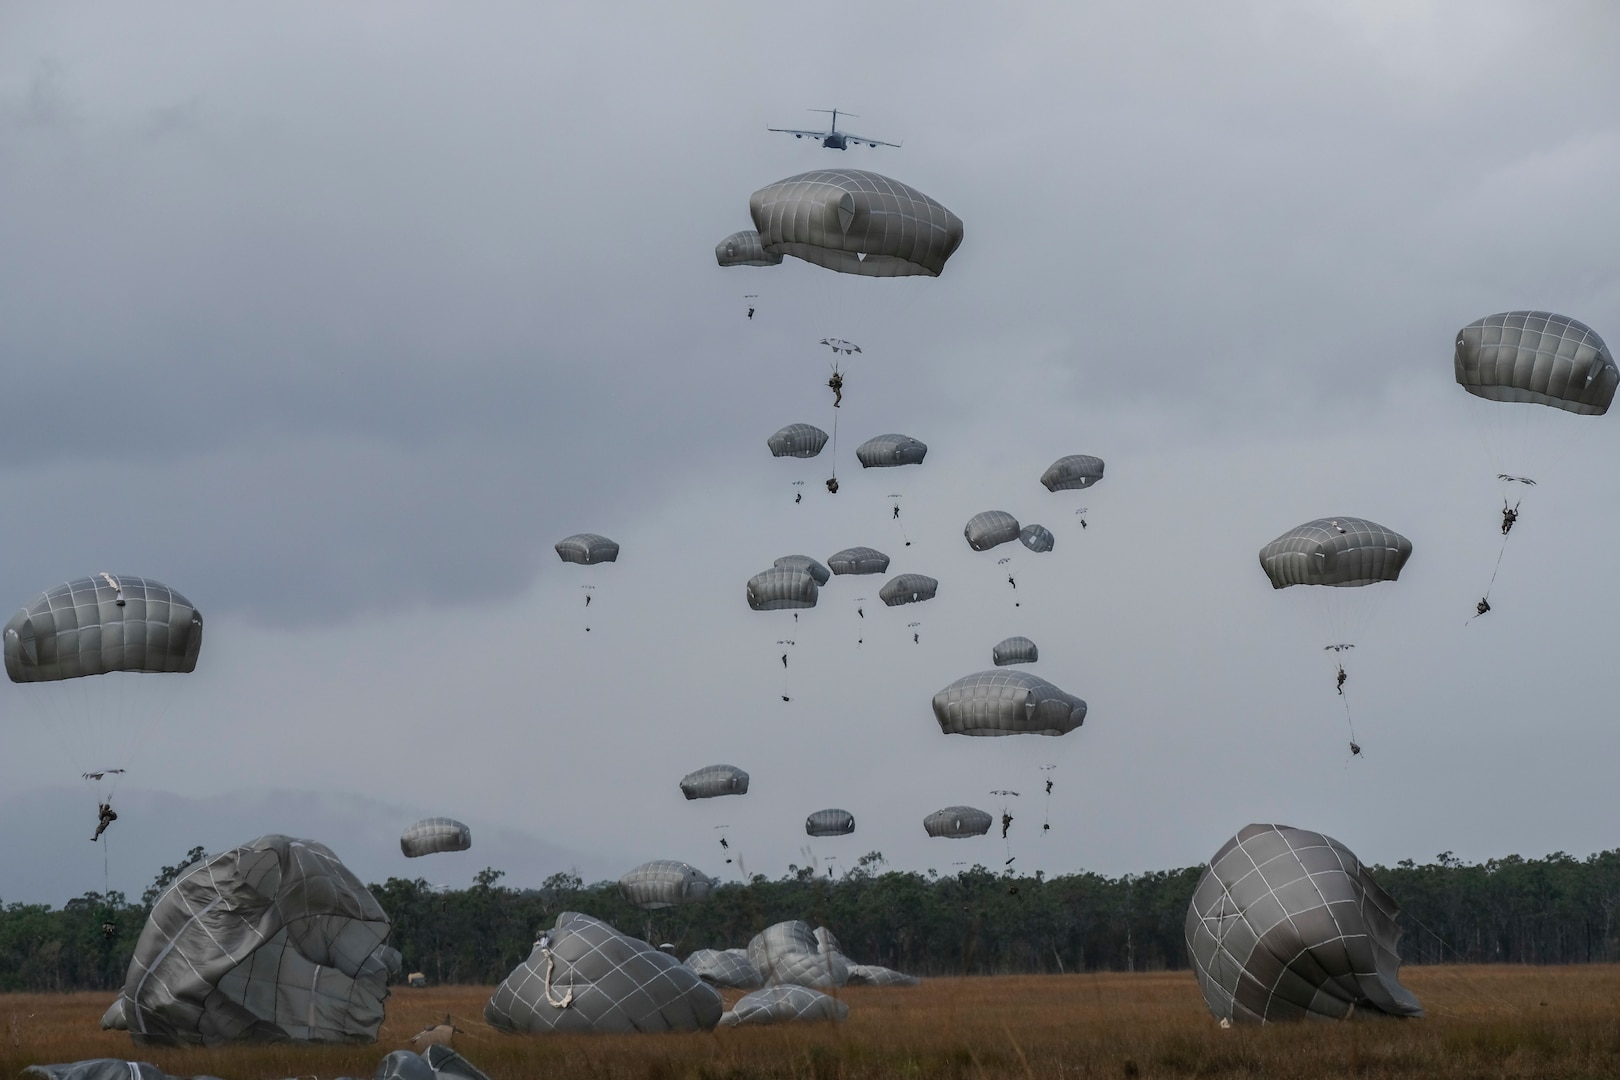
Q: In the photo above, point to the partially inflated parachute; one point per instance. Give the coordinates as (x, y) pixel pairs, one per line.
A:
(1537, 357)
(855, 222)
(987, 530)
(830, 823)
(744, 249)
(804, 562)
(1037, 538)
(587, 549)
(781, 588)
(1014, 650)
(957, 822)
(1341, 551)
(890, 451)
(665, 883)
(908, 589)
(797, 440)
(859, 560)
(1002, 702)
(431, 836)
(713, 781)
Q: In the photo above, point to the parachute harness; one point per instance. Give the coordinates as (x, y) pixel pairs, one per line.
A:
(544, 945)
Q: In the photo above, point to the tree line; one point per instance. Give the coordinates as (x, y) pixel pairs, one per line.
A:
(1554, 910)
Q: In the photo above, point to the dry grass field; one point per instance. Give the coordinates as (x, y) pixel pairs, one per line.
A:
(1483, 1022)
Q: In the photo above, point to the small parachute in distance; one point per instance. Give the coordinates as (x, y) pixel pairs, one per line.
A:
(1536, 357)
(807, 564)
(1014, 650)
(890, 451)
(908, 589)
(1037, 538)
(781, 588)
(744, 249)
(990, 529)
(855, 222)
(1072, 473)
(1002, 702)
(830, 822)
(587, 549)
(102, 624)
(958, 822)
(1341, 551)
(665, 883)
(797, 440)
(430, 836)
(859, 560)
(714, 781)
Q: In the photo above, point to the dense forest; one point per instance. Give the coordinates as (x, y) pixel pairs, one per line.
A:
(1554, 910)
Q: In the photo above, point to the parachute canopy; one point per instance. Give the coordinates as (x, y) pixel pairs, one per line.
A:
(1037, 538)
(908, 589)
(889, 451)
(1002, 702)
(433, 835)
(805, 563)
(985, 531)
(1072, 473)
(797, 440)
(95, 625)
(1286, 924)
(1014, 650)
(791, 954)
(830, 823)
(859, 560)
(1342, 551)
(855, 222)
(587, 549)
(780, 588)
(665, 883)
(1537, 357)
(957, 822)
(584, 975)
(274, 940)
(783, 1005)
(744, 249)
(712, 781)
(729, 968)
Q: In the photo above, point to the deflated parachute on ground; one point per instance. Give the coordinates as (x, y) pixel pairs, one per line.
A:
(587, 549)
(784, 1005)
(665, 883)
(744, 249)
(890, 451)
(830, 822)
(957, 822)
(908, 589)
(274, 940)
(987, 530)
(1537, 357)
(781, 588)
(790, 954)
(433, 835)
(859, 560)
(1342, 551)
(797, 440)
(584, 975)
(1014, 650)
(1003, 702)
(1072, 473)
(101, 624)
(713, 781)
(1286, 924)
(804, 562)
(729, 968)
(855, 222)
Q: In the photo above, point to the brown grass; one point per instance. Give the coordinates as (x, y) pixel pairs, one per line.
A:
(1483, 1021)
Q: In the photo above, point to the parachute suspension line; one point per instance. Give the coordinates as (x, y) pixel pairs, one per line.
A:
(556, 1003)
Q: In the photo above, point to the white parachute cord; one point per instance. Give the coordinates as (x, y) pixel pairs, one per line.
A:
(568, 998)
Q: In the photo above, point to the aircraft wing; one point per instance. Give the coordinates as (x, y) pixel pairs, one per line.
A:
(869, 142)
(796, 131)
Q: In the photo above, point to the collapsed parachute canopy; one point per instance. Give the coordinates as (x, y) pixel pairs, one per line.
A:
(797, 440)
(1538, 357)
(729, 968)
(855, 222)
(587, 549)
(791, 954)
(780, 588)
(830, 823)
(890, 451)
(784, 1005)
(1037, 538)
(1286, 924)
(859, 560)
(744, 249)
(1004, 702)
(1343, 551)
(985, 531)
(665, 883)
(908, 589)
(957, 822)
(1014, 650)
(713, 781)
(95, 625)
(805, 563)
(433, 835)
(1072, 473)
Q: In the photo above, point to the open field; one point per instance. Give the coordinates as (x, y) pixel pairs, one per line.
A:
(1546, 1022)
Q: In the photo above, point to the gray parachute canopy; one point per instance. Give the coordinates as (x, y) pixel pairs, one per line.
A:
(780, 588)
(1072, 473)
(791, 954)
(744, 249)
(95, 625)
(274, 940)
(712, 781)
(805, 563)
(830, 823)
(433, 835)
(859, 560)
(1003, 702)
(876, 975)
(1014, 650)
(957, 822)
(784, 1005)
(797, 440)
(436, 1062)
(101, 1069)
(1037, 538)
(665, 883)
(587, 549)
(855, 222)
(908, 589)
(729, 968)
(1341, 551)
(985, 531)
(890, 451)
(1538, 357)
(584, 975)
(1287, 923)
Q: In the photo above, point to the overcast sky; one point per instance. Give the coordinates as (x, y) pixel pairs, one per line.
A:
(336, 317)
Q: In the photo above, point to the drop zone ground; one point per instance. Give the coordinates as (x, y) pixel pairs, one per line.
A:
(1545, 1022)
